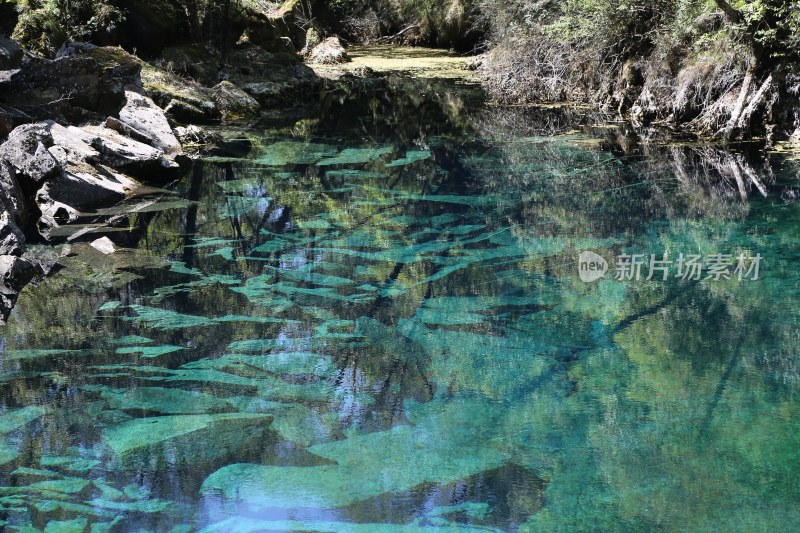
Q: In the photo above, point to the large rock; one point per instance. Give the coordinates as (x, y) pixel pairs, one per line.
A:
(12, 241)
(328, 52)
(10, 118)
(15, 273)
(86, 191)
(183, 101)
(196, 135)
(82, 83)
(272, 79)
(11, 54)
(77, 192)
(67, 172)
(13, 199)
(126, 154)
(234, 104)
(27, 152)
(144, 117)
(313, 39)
(270, 34)
(198, 62)
(795, 137)
(72, 146)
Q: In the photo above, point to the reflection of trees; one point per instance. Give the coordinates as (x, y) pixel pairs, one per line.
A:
(645, 393)
(612, 186)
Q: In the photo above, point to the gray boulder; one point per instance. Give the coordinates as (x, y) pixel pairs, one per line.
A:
(234, 104)
(145, 118)
(26, 151)
(65, 172)
(15, 274)
(126, 154)
(183, 112)
(11, 54)
(72, 146)
(84, 82)
(313, 39)
(85, 191)
(273, 79)
(12, 241)
(329, 52)
(196, 135)
(13, 200)
(10, 118)
(75, 194)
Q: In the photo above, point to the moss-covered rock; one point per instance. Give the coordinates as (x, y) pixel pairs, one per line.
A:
(234, 104)
(199, 62)
(183, 100)
(82, 83)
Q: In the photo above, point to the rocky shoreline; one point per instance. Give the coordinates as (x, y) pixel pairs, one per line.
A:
(95, 124)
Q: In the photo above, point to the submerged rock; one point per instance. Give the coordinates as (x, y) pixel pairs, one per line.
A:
(188, 439)
(104, 245)
(329, 52)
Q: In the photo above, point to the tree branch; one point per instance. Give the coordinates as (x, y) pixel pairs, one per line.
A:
(730, 11)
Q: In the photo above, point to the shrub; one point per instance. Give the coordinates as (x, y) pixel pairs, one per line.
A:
(44, 25)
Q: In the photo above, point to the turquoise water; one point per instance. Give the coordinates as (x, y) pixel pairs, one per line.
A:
(372, 320)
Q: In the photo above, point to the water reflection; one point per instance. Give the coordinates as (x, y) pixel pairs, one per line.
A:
(372, 321)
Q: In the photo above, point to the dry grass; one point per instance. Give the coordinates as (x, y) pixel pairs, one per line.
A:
(412, 61)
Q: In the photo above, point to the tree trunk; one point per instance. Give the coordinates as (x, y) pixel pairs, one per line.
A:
(193, 14)
(743, 124)
(730, 128)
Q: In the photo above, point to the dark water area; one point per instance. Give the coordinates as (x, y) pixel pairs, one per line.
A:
(373, 319)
